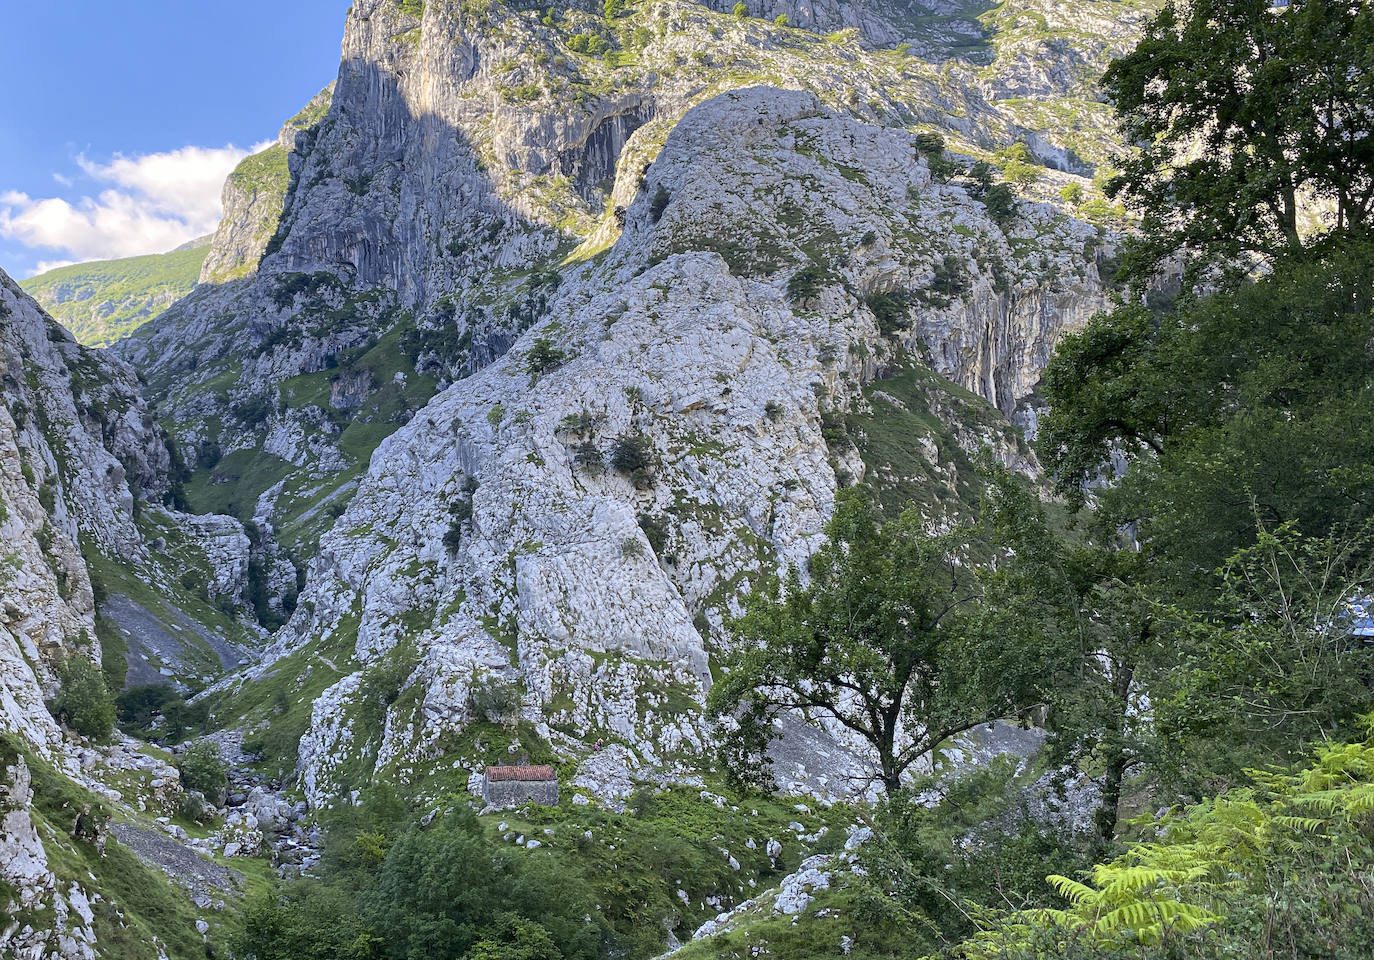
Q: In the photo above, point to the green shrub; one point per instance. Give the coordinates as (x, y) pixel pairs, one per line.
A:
(191, 806)
(949, 280)
(260, 596)
(1278, 870)
(655, 531)
(592, 44)
(180, 718)
(977, 844)
(138, 706)
(741, 10)
(460, 512)
(114, 652)
(1001, 204)
(890, 311)
(253, 411)
(543, 355)
(494, 698)
(83, 702)
(1018, 165)
(659, 203)
(930, 144)
(632, 453)
(942, 167)
(982, 176)
(453, 536)
(203, 770)
(586, 456)
(805, 283)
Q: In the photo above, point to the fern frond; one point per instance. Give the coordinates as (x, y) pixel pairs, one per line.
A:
(1302, 824)
(1076, 893)
(1148, 919)
(1135, 916)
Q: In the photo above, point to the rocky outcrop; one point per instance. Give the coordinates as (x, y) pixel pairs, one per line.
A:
(77, 445)
(254, 197)
(86, 430)
(44, 917)
(424, 209)
(507, 531)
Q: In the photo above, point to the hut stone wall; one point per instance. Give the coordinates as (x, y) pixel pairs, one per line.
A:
(513, 793)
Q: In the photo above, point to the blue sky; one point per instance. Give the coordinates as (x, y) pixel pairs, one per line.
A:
(120, 120)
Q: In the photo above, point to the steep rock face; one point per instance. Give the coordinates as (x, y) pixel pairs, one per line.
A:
(77, 444)
(425, 213)
(506, 532)
(83, 466)
(254, 197)
(88, 433)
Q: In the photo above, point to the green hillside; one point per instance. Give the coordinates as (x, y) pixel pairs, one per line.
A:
(105, 300)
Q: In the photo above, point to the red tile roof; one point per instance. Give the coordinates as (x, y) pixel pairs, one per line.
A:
(496, 774)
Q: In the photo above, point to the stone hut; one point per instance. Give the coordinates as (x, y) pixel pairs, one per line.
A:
(512, 786)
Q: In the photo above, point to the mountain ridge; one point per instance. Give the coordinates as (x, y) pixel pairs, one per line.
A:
(102, 301)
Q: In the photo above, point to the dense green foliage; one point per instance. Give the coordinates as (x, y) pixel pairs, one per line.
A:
(83, 702)
(931, 865)
(203, 770)
(402, 884)
(1283, 868)
(1189, 623)
(1245, 113)
(1240, 407)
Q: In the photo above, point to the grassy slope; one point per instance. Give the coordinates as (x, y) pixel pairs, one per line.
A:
(103, 301)
(140, 914)
(907, 410)
(232, 486)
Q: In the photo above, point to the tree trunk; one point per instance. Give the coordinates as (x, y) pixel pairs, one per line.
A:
(887, 762)
(1108, 809)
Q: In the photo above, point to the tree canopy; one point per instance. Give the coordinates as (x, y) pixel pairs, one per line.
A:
(1249, 405)
(1254, 126)
(881, 639)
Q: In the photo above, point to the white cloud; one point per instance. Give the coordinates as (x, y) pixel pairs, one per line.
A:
(43, 266)
(154, 203)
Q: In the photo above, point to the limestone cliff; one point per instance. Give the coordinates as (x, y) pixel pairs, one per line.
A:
(254, 197)
(504, 532)
(424, 212)
(77, 445)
